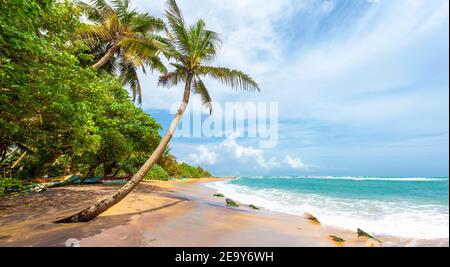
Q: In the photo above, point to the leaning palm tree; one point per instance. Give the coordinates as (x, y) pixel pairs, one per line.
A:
(191, 48)
(123, 40)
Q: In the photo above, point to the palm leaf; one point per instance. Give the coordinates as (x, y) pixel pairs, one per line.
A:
(130, 78)
(172, 78)
(178, 32)
(141, 46)
(198, 87)
(144, 23)
(233, 78)
(92, 34)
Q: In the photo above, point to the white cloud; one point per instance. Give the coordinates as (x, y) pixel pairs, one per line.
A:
(371, 75)
(295, 163)
(231, 153)
(247, 154)
(203, 156)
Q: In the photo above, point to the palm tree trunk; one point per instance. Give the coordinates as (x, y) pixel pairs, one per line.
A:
(97, 209)
(107, 57)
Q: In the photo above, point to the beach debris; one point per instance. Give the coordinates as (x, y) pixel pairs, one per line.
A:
(254, 207)
(219, 195)
(369, 237)
(311, 217)
(37, 188)
(231, 203)
(337, 239)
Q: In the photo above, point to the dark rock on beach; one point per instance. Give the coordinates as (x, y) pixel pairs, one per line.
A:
(372, 241)
(337, 239)
(311, 217)
(231, 203)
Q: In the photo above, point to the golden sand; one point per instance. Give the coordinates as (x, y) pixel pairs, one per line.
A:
(174, 213)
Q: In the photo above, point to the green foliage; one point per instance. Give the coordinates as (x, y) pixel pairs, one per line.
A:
(65, 115)
(126, 35)
(157, 173)
(170, 164)
(182, 170)
(68, 117)
(188, 171)
(10, 185)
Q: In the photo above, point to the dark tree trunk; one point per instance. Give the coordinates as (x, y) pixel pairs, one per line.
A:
(117, 172)
(90, 173)
(90, 213)
(108, 169)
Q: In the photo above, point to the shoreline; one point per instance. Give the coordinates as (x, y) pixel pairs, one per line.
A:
(202, 220)
(387, 240)
(159, 214)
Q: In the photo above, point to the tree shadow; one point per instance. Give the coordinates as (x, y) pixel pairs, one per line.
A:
(28, 220)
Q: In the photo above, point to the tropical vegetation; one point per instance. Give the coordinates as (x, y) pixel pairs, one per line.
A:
(59, 116)
(64, 67)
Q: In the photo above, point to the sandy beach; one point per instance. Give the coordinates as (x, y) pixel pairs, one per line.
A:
(175, 213)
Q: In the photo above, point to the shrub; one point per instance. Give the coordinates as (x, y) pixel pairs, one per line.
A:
(157, 173)
(10, 185)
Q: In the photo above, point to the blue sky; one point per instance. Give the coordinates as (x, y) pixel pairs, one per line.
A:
(362, 85)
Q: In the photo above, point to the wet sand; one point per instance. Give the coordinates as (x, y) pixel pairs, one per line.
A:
(175, 213)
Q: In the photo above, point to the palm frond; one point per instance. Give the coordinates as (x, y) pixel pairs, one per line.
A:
(168, 49)
(141, 46)
(123, 11)
(93, 33)
(130, 58)
(112, 23)
(198, 87)
(175, 12)
(143, 23)
(172, 78)
(155, 63)
(130, 78)
(211, 42)
(90, 11)
(178, 32)
(100, 4)
(233, 78)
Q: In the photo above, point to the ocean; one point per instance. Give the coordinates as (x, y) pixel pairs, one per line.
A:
(416, 208)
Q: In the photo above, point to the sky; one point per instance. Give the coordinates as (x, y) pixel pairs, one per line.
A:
(362, 86)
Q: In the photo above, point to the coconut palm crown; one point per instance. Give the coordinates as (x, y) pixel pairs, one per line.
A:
(123, 40)
(192, 48)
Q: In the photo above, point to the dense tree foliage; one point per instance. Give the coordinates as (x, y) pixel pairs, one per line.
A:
(58, 115)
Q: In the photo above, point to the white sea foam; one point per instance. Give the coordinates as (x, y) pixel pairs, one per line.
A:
(353, 178)
(400, 219)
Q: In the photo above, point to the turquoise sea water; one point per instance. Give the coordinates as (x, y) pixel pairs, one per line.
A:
(405, 207)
